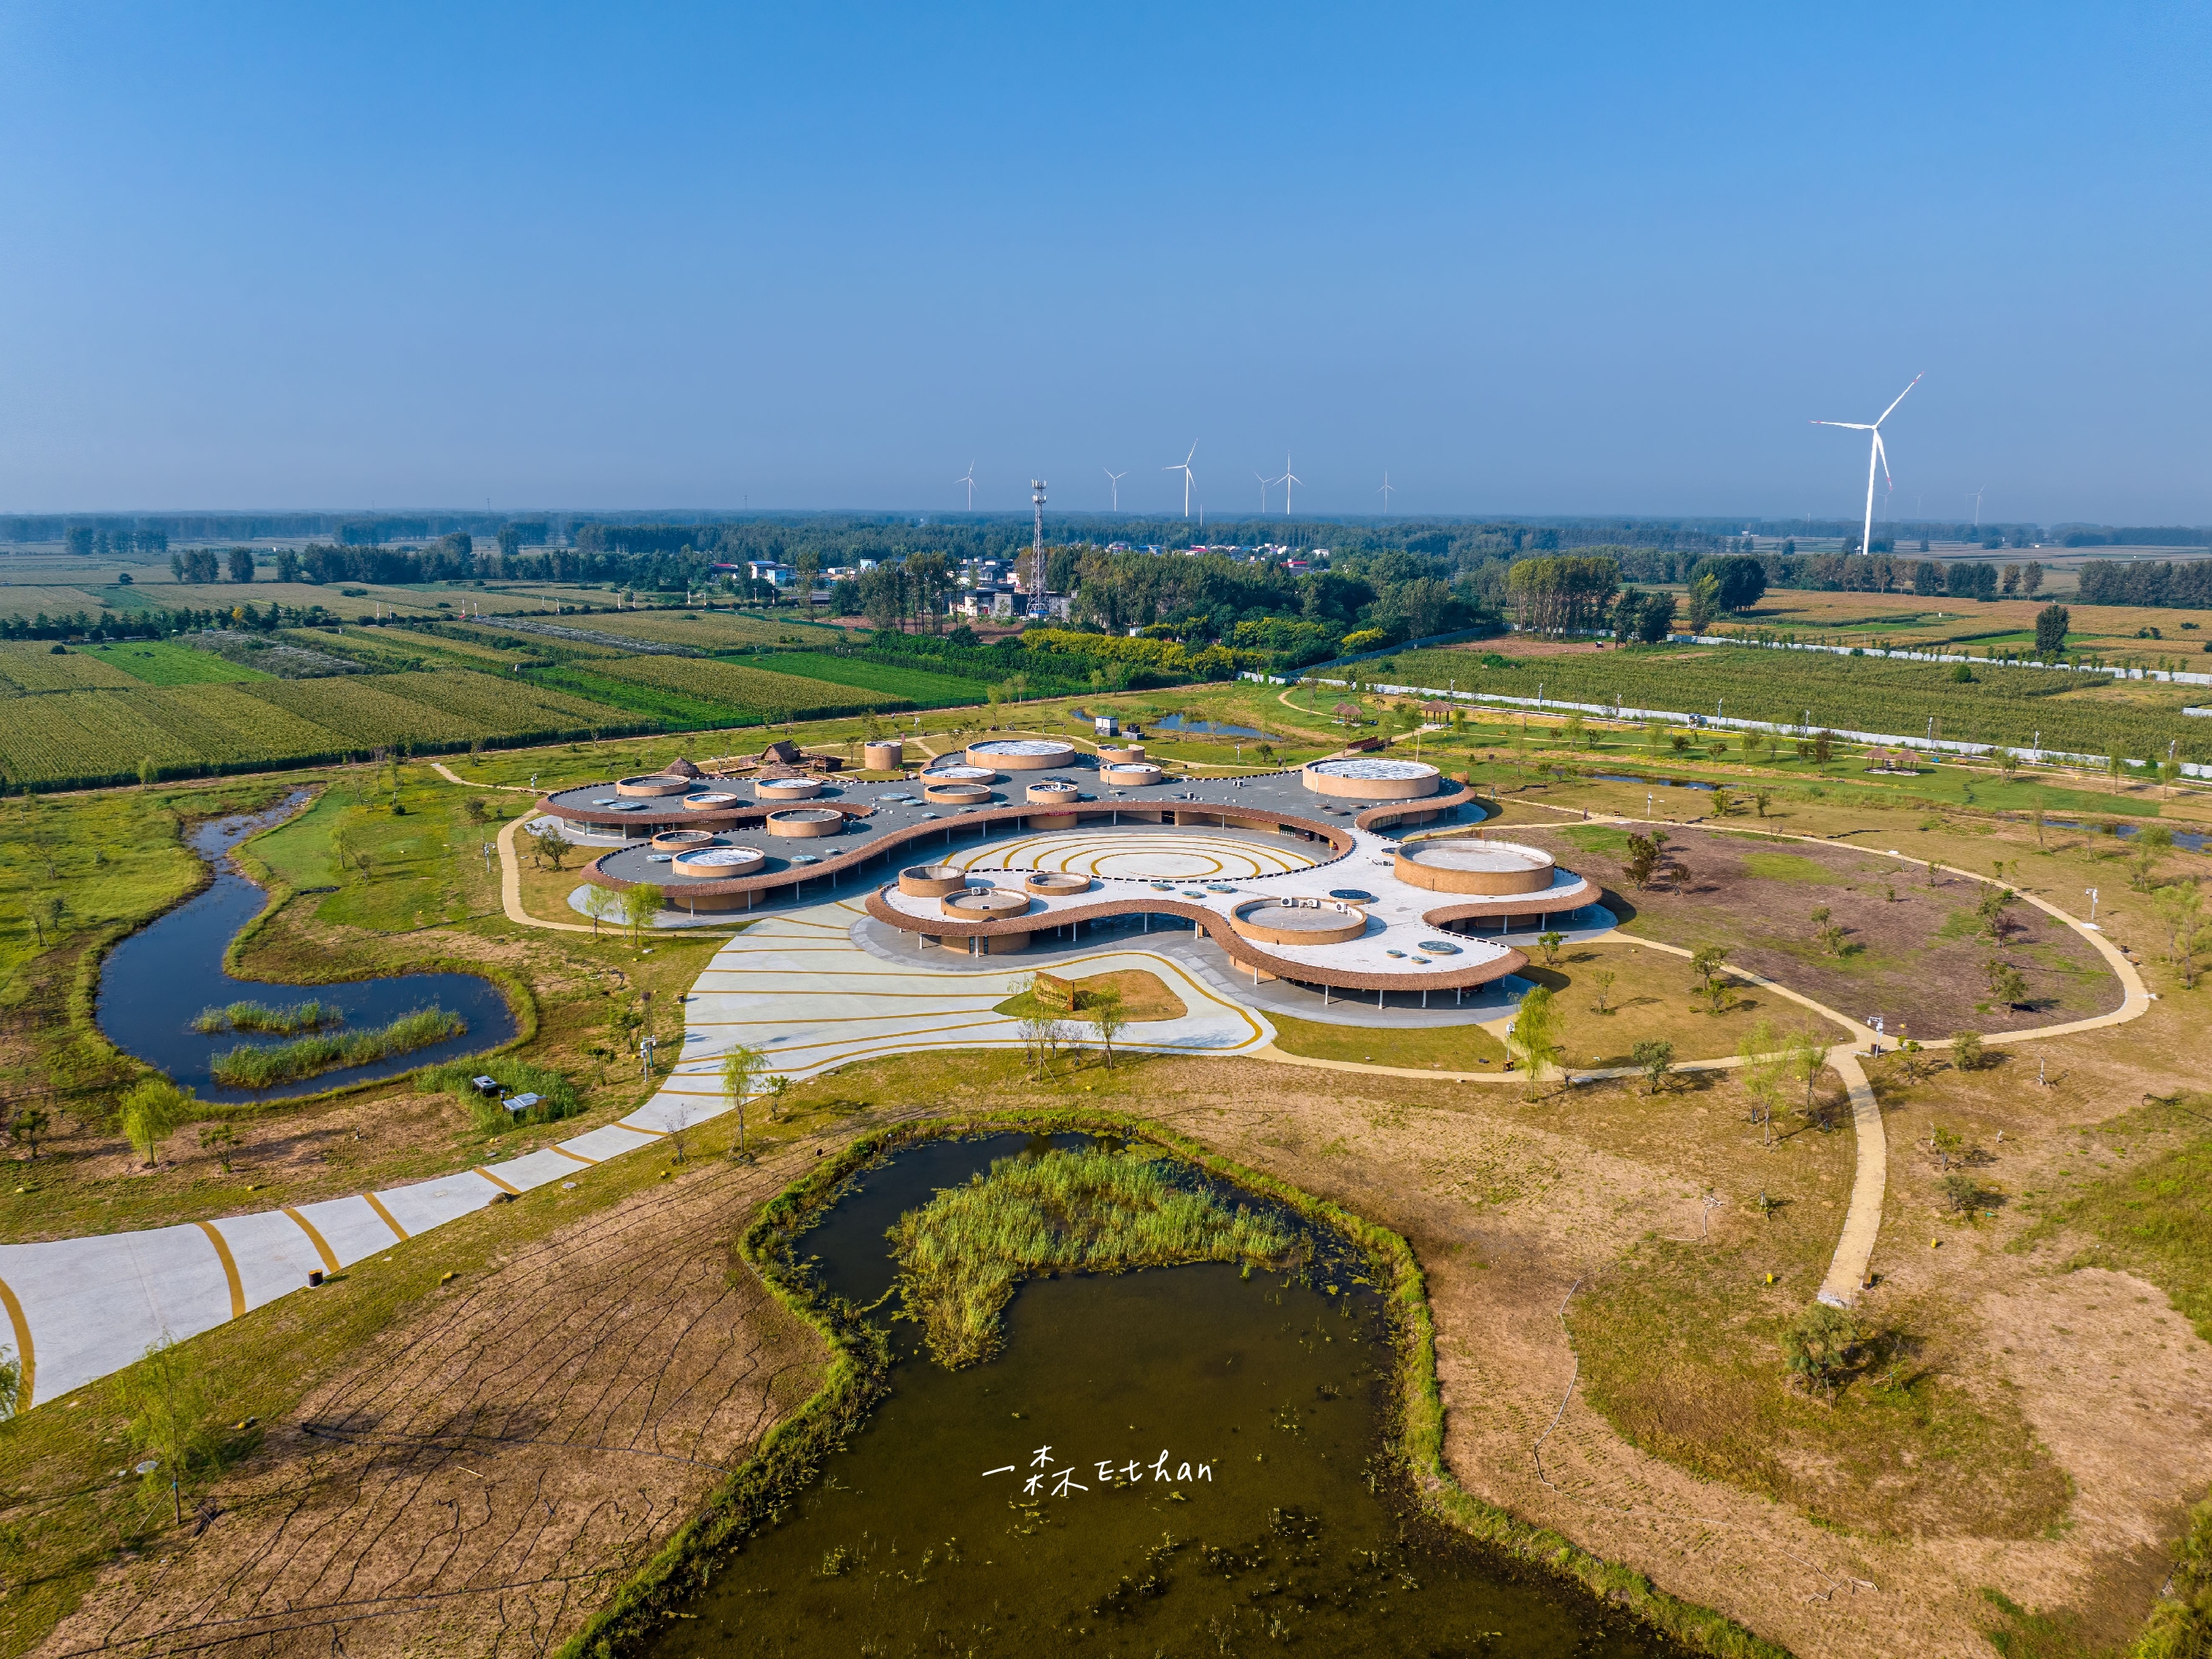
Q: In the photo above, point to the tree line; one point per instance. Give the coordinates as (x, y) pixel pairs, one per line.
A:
(2183, 585)
(90, 541)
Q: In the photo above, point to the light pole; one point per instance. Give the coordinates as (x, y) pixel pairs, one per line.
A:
(2092, 892)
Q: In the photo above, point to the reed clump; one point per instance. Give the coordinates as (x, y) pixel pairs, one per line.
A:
(287, 1021)
(248, 1067)
(1087, 1210)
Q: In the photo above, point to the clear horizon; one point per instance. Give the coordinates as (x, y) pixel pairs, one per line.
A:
(1610, 265)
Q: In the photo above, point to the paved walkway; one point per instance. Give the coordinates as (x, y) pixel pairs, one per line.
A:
(1849, 1268)
(794, 984)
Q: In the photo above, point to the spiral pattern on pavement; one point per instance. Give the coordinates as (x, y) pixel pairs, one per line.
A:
(1143, 854)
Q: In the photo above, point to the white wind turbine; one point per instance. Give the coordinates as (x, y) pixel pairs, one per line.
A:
(1875, 455)
(969, 479)
(1264, 481)
(1288, 478)
(1114, 482)
(1183, 467)
(1385, 494)
(1978, 494)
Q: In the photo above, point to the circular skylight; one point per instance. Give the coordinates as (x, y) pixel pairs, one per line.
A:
(1373, 766)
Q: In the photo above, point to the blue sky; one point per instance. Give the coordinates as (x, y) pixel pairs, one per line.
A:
(1529, 260)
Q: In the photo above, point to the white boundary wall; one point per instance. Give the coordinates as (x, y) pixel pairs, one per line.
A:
(1621, 712)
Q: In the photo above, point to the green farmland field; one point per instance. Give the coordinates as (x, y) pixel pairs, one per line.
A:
(916, 685)
(647, 702)
(2080, 714)
(164, 662)
(105, 734)
(707, 630)
(753, 691)
(30, 667)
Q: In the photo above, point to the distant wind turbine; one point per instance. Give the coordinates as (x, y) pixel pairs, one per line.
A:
(1264, 481)
(1875, 455)
(1183, 467)
(1385, 493)
(1978, 494)
(969, 479)
(1288, 478)
(1114, 482)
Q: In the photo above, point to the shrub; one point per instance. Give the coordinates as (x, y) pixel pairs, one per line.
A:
(1819, 1346)
(1966, 1052)
(558, 1096)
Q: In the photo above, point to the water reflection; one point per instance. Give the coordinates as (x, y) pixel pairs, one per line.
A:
(1172, 1461)
(155, 982)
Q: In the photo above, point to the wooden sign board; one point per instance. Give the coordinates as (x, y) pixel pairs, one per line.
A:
(1051, 992)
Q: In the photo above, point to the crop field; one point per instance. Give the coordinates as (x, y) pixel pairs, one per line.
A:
(1901, 619)
(493, 637)
(753, 691)
(402, 649)
(649, 702)
(164, 662)
(28, 599)
(104, 734)
(438, 706)
(917, 685)
(710, 630)
(2002, 705)
(31, 667)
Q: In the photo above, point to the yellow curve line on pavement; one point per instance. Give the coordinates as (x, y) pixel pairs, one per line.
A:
(26, 1358)
(322, 1247)
(229, 1267)
(497, 1182)
(578, 1157)
(384, 1215)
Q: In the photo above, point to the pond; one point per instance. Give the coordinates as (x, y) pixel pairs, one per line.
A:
(2187, 841)
(1178, 723)
(1652, 783)
(155, 982)
(1173, 1461)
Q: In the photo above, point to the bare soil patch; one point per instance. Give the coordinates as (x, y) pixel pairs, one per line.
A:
(1530, 645)
(1913, 954)
(502, 1461)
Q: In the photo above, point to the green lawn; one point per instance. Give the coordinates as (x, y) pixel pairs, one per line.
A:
(426, 866)
(164, 662)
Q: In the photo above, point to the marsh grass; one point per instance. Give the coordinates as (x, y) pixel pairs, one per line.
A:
(961, 1255)
(287, 1021)
(248, 1067)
